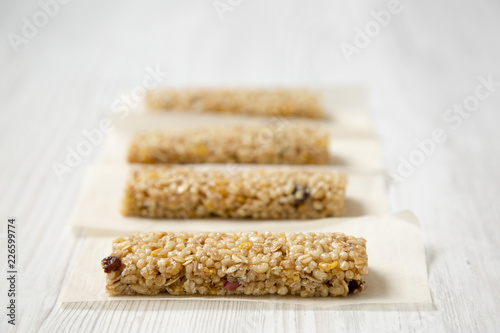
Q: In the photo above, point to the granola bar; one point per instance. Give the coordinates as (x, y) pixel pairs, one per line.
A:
(237, 144)
(262, 102)
(302, 264)
(159, 191)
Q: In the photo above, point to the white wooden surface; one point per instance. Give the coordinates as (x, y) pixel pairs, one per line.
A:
(65, 79)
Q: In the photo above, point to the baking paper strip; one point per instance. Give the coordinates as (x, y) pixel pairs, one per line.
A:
(345, 105)
(396, 261)
(98, 206)
(349, 147)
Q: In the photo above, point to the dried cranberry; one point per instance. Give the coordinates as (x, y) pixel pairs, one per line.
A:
(231, 285)
(110, 264)
(305, 194)
(355, 286)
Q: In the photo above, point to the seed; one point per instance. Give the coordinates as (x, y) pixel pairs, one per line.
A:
(232, 269)
(239, 258)
(344, 266)
(261, 268)
(317, 205)
(319, 274)
(282, 290)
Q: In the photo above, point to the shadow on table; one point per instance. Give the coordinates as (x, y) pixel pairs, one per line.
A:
(337, 161)
(354, 208)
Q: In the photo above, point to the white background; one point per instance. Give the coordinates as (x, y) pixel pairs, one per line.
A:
(66, 76)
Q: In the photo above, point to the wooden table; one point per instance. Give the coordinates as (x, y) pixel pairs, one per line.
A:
(427, 56)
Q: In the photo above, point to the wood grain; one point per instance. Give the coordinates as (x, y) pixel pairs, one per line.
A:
(66, 78)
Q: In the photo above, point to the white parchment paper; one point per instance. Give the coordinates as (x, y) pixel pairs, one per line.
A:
(397, 267)
(396, 260)
(346, 105)
(354, 147)
(98, 206)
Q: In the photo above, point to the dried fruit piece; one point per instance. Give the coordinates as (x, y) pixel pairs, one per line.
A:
(300, 194)
(328, 266)
(356, 286)
(110, 264)
(231, 285)
(245, 246)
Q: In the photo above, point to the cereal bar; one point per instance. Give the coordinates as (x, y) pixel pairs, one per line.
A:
(263, 102)
(237, 144)
(241, 263)
(160, 191)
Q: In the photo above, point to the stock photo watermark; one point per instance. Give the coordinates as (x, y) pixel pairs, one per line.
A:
(222, 7)
(11, 270)
(372, 29)
(31, 26)
(453, 118)
(121, 107)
